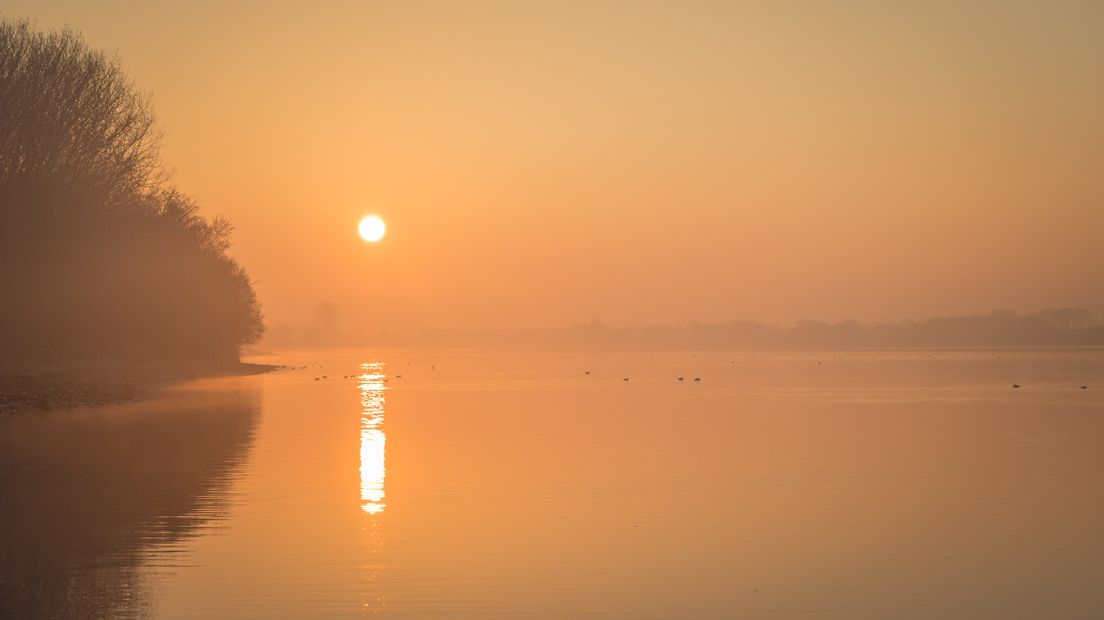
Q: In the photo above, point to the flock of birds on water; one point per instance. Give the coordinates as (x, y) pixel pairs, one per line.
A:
(586, 372)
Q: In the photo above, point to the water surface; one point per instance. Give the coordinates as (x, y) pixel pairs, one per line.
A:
(413, 484)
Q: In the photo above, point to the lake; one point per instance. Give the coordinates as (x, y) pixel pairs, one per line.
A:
(482, 484)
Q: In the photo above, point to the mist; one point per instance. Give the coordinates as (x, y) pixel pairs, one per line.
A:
(540, 165)
(575, 308)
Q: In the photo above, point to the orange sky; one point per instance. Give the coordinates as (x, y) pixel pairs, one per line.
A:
(540, 164)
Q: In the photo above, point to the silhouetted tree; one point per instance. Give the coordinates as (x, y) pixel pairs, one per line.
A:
(99, 257)
(71, 119)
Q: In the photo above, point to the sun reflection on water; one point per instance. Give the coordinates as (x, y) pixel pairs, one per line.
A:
(373, 469)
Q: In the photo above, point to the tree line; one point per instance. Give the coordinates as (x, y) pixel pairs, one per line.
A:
(100, 256)
(1066, 327)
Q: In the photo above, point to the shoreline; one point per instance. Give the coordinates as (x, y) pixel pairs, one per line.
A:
(38, 390)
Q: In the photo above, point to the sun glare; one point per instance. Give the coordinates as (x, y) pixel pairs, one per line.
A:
(372, 228)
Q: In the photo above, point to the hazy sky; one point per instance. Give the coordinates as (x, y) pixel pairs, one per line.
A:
(540, 164)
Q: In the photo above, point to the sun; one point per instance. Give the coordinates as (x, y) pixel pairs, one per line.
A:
(372, 228)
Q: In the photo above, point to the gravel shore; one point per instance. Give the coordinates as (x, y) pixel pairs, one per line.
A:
(20, 393)
(24, 392)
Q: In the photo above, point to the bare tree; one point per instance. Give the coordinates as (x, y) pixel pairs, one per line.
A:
(99, 257)
(70, 120)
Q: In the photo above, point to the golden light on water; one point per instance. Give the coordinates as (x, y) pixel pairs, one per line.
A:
(373, 441)
(372, 228)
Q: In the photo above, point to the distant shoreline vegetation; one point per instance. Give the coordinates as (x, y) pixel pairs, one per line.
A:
(1000, 329)
(101, 259)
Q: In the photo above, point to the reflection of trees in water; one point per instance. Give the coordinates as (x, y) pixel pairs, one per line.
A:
(89, 495)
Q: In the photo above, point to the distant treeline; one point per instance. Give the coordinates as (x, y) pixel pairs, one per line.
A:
(1002, 328)
(1051, 328)
(99, 257)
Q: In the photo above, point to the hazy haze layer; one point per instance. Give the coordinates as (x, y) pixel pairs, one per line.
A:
(639, 162)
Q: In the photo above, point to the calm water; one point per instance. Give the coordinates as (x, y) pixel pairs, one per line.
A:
(511, 485)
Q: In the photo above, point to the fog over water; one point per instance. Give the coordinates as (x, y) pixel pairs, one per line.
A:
(569, 309)
(461, 483)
